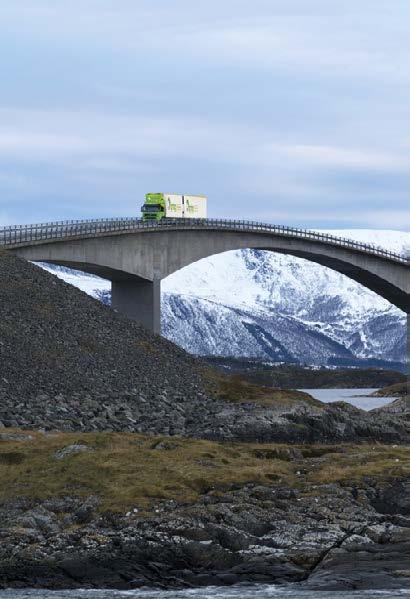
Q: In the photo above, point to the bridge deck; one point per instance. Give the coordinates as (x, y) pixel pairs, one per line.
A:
(25, 235)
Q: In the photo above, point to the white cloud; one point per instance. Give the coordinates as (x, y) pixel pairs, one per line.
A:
(30, 143)
(53, 134)
(390, 218)
(343, 40)
(313, 43)
(377, 219)
(103, 137)
(5, 219)
(347, 157)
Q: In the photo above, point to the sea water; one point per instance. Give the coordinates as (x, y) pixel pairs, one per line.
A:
(356, 397)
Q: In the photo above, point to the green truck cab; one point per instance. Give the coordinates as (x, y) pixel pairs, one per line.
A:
(170, 205)
(154, 206)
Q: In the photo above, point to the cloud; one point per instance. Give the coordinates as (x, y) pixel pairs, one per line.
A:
(282, 110)
(347, 157)
(71, 133)
(97, 150)
(388, 219)
(321, 35)
(377, 219)
(15, 142)
(5, 220)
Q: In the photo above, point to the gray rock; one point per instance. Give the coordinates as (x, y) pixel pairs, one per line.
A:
(39, 519)
(241, 537)
(65, 452)
(15, 437)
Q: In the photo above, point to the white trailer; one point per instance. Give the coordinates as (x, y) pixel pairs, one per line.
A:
(185, 206)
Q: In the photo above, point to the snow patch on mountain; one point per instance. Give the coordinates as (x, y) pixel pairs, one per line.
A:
(90, 284)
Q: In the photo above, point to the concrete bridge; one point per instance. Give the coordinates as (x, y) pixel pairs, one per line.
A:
(136, 255)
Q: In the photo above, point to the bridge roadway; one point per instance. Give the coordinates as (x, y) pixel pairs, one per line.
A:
(136, 255)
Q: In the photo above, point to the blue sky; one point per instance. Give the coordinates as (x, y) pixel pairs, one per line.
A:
(293, 111)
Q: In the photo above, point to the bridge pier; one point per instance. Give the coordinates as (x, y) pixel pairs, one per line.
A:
(140, 300)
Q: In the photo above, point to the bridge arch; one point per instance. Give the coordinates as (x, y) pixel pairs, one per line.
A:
(135, 256)
(367, 270)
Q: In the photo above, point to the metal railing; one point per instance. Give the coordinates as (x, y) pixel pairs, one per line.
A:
(22, 235)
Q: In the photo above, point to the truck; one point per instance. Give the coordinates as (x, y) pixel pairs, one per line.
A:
(172, 205)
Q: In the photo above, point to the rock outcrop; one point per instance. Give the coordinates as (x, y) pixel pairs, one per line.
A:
(325, 537)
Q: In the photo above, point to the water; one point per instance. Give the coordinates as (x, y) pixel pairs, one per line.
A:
(237, 592)
(356, 397)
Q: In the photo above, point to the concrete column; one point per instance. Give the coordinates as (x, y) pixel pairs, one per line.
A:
(140, 300)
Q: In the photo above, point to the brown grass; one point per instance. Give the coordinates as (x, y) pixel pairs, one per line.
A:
(126, 469)
(356, 462)
(130, 470)
(236, 389)
(398, 390)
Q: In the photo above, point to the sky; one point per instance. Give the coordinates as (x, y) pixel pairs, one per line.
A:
(293, 112)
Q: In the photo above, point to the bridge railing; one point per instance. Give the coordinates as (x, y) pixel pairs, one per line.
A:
(15, 236)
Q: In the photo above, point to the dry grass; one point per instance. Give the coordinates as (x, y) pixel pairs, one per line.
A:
(398, 390)
(127, 470)
(357, 462)
(236, 389)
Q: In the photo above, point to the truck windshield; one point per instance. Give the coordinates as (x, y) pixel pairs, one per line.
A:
(151, 208)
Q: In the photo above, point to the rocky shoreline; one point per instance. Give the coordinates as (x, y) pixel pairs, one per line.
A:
(295, 421)
(327, 537)
(168, 512)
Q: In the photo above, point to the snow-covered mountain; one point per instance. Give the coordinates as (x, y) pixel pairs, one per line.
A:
(275, 307)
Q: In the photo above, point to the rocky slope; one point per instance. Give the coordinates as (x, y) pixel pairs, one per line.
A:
(276, 308)
(56, 340)
(70, 363)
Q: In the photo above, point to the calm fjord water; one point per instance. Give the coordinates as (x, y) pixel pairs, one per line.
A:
(360, 398)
